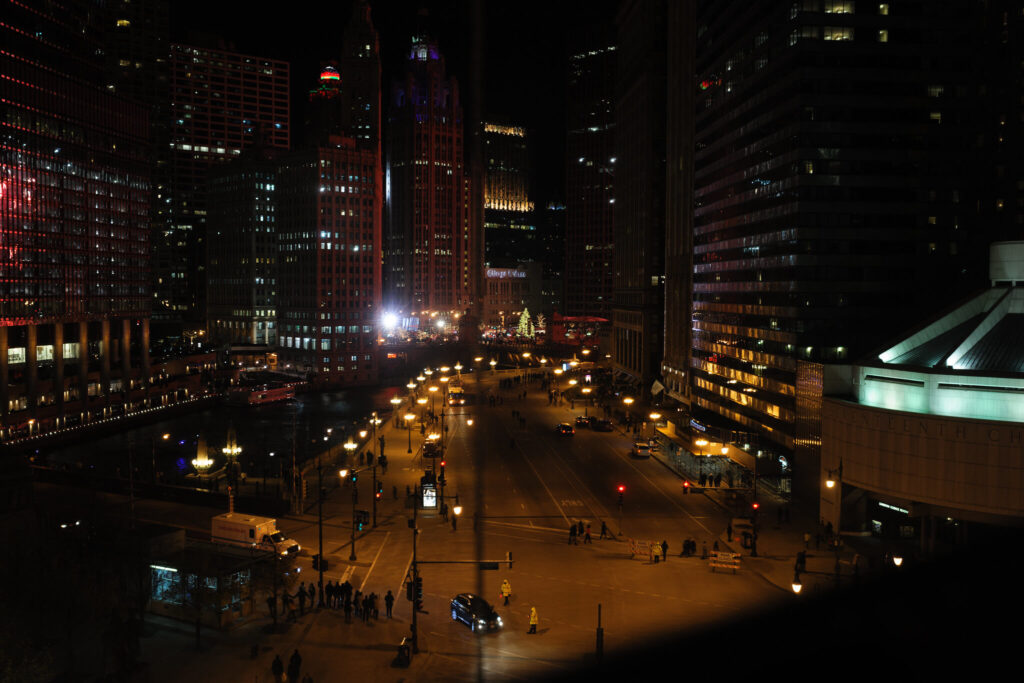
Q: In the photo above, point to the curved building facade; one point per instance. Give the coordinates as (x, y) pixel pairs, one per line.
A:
(926, 442)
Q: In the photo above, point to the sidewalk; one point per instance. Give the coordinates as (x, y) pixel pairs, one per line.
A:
(779, 539)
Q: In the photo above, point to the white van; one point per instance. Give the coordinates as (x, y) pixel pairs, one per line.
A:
(249, 531)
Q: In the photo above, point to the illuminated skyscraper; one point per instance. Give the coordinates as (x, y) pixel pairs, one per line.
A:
(510, 231)
(219, 99)
(430, 235)
(74, 202)
(852, 163)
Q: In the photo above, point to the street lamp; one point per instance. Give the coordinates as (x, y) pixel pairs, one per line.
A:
(409, 417)
(492, 364)
(700, 444)
(586, 399)
(433, 390)
(628, 400)
(422, 401)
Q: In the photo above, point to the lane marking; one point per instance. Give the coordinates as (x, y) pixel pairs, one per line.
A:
(374, 563)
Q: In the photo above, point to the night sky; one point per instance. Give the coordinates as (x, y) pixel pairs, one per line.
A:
(524, 44)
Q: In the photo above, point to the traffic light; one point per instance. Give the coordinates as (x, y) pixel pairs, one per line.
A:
(408, 591)
(622, 490)
(354, 477)
(316, 562)
(418, 593)
(442, 469)
(755, 505)
(508, 558)
(686, 487)
(362, 519)
(380, 490)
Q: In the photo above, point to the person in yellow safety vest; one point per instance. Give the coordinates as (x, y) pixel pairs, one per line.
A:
(533, 620)
(506, 590)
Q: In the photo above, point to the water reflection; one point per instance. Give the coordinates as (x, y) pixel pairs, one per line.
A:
(265, 434)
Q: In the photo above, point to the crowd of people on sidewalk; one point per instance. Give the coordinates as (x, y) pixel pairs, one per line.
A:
(336, 596)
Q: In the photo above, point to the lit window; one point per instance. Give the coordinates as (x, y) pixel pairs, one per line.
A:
(838, 6)
(935, 91)
(123, 23)
(883, 9)
(883, 36)
(837, 33)
(935, 117)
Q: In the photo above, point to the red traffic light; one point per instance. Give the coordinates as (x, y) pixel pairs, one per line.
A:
(622, 487)
(442, 463)
(755, 505)
(686, 484)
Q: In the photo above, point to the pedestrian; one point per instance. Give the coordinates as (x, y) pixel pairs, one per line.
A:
(329, 594)
(373, 606)
(579, 529)
(364, 609)
(714, 546)
(604, 530)
(311, 594)
(389, 602)
(455, 519)
(572, 534)
(348, 609)
(703, 550)
(301, 595)
(286, 606)
(272, 606)
(718, 480)
(277, 668)
(506, 590)
(664, 550)
(357, 604)
(407, 491)
(533, 620)
(394, 492)
(294, 666)
(586, 537)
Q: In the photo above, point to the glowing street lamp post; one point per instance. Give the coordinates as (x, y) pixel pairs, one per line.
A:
(409, 417)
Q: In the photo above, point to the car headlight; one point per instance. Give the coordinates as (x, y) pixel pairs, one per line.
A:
(499, 621)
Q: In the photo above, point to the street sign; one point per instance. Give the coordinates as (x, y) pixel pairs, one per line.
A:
(488, 565)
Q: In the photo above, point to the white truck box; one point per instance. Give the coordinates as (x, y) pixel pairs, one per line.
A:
(248, 531)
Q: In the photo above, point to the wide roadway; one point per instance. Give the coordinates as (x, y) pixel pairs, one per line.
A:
(527, 484)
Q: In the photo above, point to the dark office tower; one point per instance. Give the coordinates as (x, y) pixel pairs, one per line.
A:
(551, 231)
(329, 273)
(219, 99)
(675, 366)
(429, 222)
(242, 249)
(590, 171)
(137, 53)
(360, 92)
(850, 159)
(638, 215)
(74, 238)
(510, 232)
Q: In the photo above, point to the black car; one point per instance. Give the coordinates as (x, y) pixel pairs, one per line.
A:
(475, 612)
(582, 421)
(600, 424)
(565, 429)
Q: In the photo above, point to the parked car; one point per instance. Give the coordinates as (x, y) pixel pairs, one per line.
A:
(600, 424)
(565, 429)
(641, 450)
(475, 612)
(582, 421)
